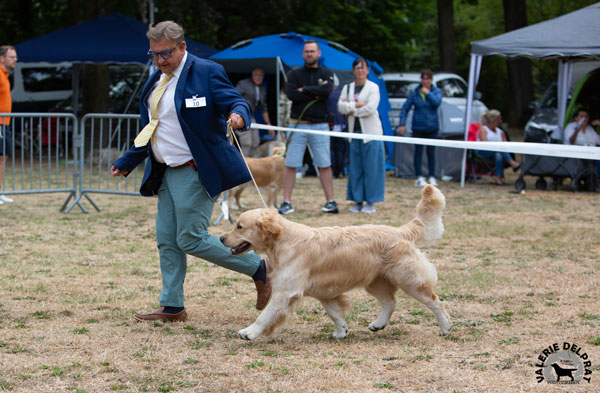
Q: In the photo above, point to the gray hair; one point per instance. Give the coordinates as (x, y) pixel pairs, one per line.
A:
(167, 29)
(490, 116)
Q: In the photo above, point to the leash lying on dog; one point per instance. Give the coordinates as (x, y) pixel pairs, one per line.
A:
(233, 138)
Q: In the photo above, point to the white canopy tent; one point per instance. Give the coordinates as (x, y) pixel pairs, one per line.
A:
(569, 38)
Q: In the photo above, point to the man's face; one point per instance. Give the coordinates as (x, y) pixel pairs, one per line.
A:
(9, 60)
(257, 76)
(311, 54)
(167, 65)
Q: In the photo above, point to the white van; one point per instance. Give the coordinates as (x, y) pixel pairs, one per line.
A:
(37, 87)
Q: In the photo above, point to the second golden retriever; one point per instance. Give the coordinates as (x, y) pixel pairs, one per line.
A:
(267, 172)
(324, 263)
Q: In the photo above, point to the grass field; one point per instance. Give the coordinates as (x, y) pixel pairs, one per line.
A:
(517, 273)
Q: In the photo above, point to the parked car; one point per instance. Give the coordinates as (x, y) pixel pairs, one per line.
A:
(451, 112)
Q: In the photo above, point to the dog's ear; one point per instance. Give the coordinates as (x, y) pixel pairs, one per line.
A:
(270, 228)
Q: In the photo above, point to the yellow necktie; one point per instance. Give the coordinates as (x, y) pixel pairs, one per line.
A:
(147, 132)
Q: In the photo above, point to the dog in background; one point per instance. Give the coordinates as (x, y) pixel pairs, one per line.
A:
(324, 263)
(267, 172)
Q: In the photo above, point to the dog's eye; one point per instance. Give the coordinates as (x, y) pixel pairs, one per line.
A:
(239, 226)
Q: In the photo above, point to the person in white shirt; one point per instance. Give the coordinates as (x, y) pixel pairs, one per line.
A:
(580, 132)
(490, 131)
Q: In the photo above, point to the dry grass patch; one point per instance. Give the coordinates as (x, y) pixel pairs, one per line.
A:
(517, 274)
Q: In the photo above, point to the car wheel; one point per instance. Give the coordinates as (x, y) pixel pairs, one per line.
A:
(520, 184)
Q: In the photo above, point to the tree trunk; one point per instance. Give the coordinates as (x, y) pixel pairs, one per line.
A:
(446, 35)
(519, 70)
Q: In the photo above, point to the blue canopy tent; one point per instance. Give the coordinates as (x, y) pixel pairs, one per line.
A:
(277, 52)
(113, 38)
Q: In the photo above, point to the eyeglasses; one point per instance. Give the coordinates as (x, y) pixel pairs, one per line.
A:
(166, 54)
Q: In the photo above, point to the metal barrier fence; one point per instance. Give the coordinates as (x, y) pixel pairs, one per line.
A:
(105, 137)
(44, 154)
(54, 152)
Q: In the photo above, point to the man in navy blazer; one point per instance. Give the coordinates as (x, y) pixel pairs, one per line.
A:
(190, 162)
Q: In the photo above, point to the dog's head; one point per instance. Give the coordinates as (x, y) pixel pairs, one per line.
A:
(256, 230)
(278, 151)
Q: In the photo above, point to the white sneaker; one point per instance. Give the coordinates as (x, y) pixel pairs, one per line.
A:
(368, 208)
(432, 181)
(356, 208)
(4, 198)
(1, 203)
(420, 182)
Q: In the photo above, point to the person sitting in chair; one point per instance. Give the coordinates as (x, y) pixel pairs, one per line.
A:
(490, 131)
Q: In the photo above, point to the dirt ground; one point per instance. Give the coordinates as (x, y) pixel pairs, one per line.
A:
(517, 274)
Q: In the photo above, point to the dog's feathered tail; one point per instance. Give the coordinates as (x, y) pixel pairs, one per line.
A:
(427, 226)
(429, 211)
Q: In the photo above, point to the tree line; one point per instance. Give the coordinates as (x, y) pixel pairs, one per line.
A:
(400, 35)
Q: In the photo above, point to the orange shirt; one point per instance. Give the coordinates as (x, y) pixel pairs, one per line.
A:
(5, 100)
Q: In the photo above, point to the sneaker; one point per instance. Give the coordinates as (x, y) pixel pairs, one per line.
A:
(4, 198)
(1, 203)
(330, 207)
(369, 209)
(356, 208)
(285, 208)
(420, 182)
(432, 181)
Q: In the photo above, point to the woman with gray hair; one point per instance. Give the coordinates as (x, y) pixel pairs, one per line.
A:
(490, 131)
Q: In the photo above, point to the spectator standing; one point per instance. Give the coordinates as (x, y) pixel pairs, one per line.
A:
(425, 99)
(8, 61)
(366, 177)
(308, 87)
(255, 94)
(183, 109)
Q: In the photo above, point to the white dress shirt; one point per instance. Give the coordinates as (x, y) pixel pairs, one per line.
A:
(169, 145)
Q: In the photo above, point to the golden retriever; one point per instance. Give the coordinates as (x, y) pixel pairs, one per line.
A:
(267, 172)
(324, 263)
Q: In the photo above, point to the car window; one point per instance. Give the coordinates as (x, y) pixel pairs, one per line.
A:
(452, 88)
(37, 79)
(400, 89)
(550, 97)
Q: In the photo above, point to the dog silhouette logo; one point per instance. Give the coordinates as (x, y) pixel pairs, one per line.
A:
(563, 364)
(563, 372)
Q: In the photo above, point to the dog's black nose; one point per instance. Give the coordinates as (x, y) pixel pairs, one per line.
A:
(222, 239)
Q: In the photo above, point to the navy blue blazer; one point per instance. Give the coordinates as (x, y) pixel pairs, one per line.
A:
(220, 165)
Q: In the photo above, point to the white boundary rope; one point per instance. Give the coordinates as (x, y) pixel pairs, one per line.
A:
(232, 138)
(540, 149)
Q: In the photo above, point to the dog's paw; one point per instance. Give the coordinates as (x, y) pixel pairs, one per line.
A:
(340, 332)
(249, 333)
(446, 331)
(373, 327)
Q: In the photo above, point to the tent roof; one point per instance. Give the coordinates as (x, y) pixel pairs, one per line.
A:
(288, 46)
(571, 35)
(113, 38)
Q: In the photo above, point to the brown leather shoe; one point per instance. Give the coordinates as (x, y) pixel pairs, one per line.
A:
(263, 289)
(160, 315)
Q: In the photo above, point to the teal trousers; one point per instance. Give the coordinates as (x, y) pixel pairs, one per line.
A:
(184, 212)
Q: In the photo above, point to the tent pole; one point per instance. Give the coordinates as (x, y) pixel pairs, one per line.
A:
(277, 91)
(473, 72)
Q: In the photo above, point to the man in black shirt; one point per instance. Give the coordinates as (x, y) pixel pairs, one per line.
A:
(308, 88)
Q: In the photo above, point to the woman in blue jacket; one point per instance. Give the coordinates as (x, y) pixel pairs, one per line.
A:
(425, 100)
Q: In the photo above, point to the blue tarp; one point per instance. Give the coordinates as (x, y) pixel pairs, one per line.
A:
(113, 38)
(288, 47)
